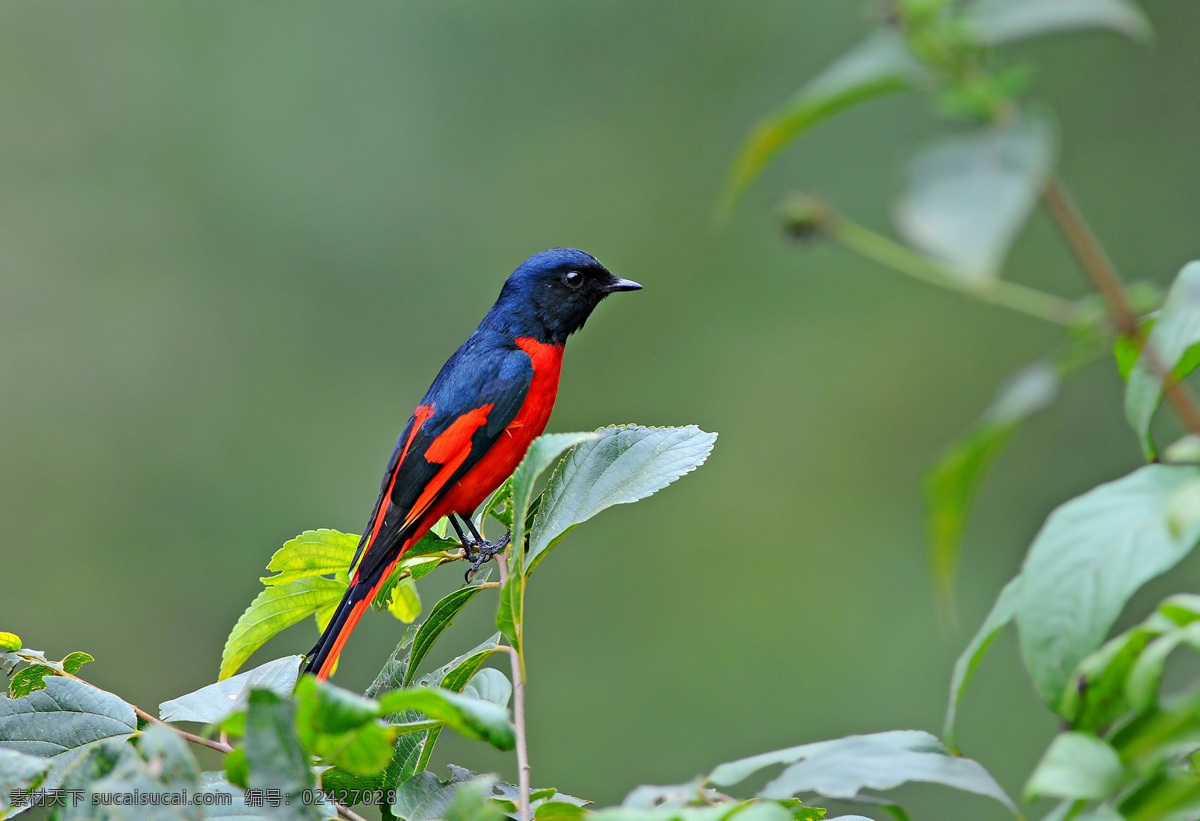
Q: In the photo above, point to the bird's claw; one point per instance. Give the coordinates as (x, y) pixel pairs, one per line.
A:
(480, 553)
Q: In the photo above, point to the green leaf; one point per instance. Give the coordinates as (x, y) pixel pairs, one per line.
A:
(73, 662)
(343, 728)
(163, 767)
(1175, 341)
(1001, 21)
(275, 757)
(312, 553)
(1076, 766)
(1090, 556)
(563, 811)
(424, 797)
(733, 772)
(470, 801)
(273, 610)
(28, 680)
(540, 456)
(952, 485)
(405, 603)
(845, 768)
(63, 721)
(391, 677)
(470, 717)
(1145, 675)
(1002, 612)
(625, 464)
(1096, 696)
(1165, 796)
(211, 704)
(10, 641)
(18, 771)
(880, 65)
(435, 624)
(968, 196)
(229, 802)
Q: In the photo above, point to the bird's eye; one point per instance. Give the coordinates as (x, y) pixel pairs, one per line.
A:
(572, 279)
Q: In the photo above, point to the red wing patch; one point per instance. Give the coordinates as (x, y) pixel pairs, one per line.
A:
(457, 436)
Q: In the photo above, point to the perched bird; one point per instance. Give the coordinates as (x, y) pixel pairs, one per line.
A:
(491, 399)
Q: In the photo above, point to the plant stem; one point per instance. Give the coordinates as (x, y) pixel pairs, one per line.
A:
(1100, 270)
(518, 676)
(1011, 295)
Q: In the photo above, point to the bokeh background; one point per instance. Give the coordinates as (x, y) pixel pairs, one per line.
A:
(238, 239)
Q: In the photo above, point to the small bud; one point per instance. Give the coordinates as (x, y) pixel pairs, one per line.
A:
(805, 216)
(10, 641)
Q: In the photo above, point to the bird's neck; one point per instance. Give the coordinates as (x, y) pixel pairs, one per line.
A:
(521, 323)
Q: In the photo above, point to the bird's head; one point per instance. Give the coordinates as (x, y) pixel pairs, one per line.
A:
(554, 292)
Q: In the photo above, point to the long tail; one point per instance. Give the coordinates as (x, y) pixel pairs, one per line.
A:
(323, 656)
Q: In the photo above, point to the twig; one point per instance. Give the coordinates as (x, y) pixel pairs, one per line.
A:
(887, 252)
(518, 676)
(1100, 270)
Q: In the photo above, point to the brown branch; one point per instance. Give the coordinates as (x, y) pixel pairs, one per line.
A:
(1100, 270)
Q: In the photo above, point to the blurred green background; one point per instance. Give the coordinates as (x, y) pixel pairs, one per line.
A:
(238, 240)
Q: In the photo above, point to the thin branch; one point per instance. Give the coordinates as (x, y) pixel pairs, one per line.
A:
(518, 676)
(1103, 274)
(898, 257)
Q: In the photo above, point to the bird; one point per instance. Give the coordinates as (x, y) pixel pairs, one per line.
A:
(488, 403)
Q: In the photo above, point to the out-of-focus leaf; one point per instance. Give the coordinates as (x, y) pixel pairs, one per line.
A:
(1145, 675)
(273, 610)
(18, 771)
(540, 456)
(1165, 796)
(1000, 21)
(1175, 341)
(440, 617)
(275, 757)
(968, 196)
(470, 717)
(343, 728)
(209, 705)
(733, 772)
(425, 797)
(625, 464)
(846, 767)
(1096, 696)
(1090, 556)
(229, 802)
(490, 685)
(1002, 612)
(1077, 766)
(1183, 508)
(63, 720)
(1185, 450)
(470, 801)
(312, 553)
(952, 485)
(405, 603)
(164, 767)
(880, 65)
(9, 641)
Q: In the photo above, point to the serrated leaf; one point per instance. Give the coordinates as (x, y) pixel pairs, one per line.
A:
(391, 676)
(65, 717)
(1077, 766)
(312, 553)
(1002, 612)
(275, 757)
(470, 717)
(211, 704)
(1001, 21)
(1090, 556)
(626, 463)
(846, 767)
(272, 611)
(162, 769)
(425, 797)
(969, 196)
(1175, 341)
(880, 65)
(952, 485)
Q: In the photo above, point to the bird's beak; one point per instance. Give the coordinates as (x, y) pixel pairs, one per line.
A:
(619, 284)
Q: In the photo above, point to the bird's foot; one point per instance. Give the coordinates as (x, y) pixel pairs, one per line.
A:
(480, 553)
